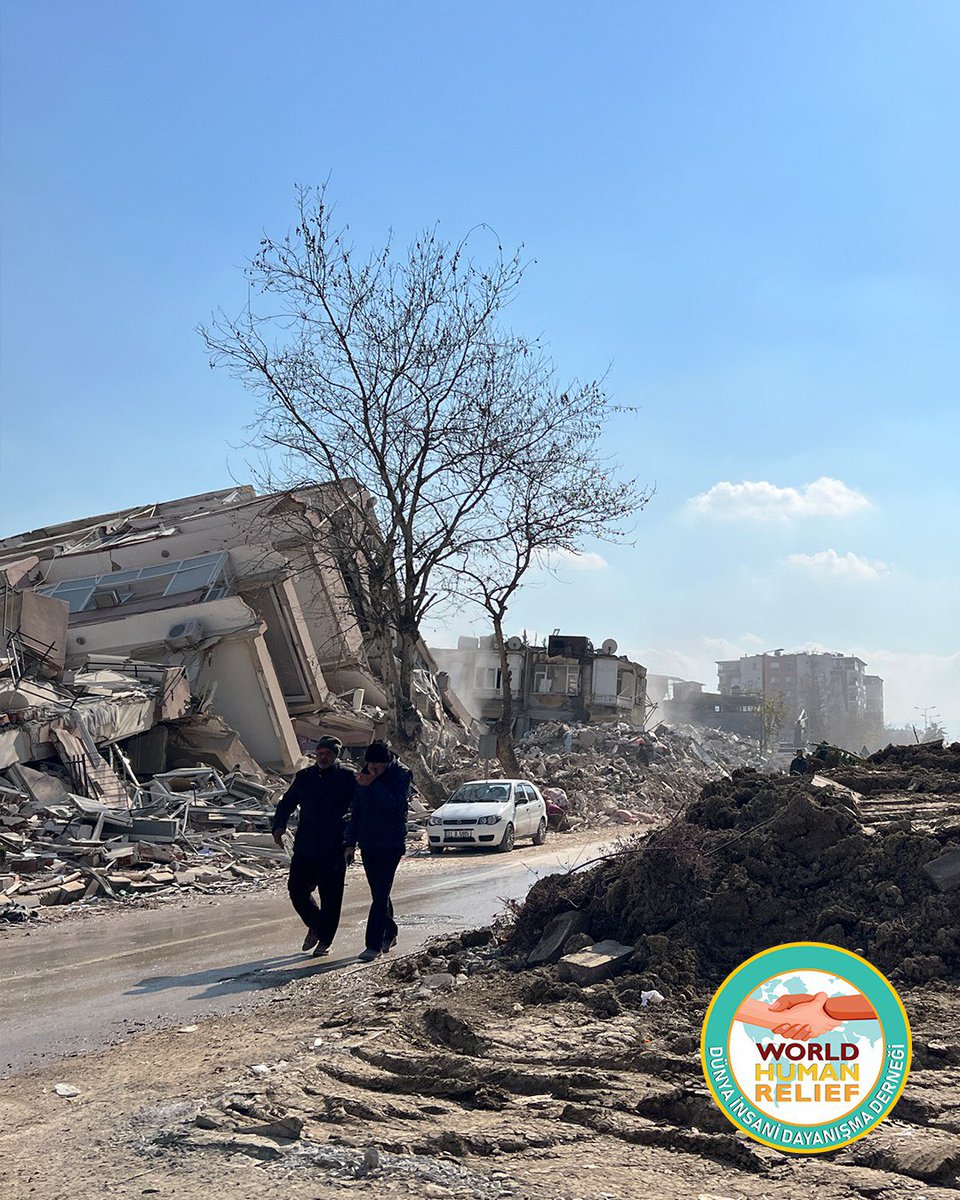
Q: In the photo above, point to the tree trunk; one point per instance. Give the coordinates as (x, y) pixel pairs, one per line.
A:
(408, 723)
(504, 726)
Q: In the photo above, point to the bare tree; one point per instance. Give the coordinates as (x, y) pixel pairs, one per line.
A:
(560, 494)
(394, 375)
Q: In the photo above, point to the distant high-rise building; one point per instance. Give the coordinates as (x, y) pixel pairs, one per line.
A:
(840, 703)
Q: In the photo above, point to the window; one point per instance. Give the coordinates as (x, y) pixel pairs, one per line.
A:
(556, 679)
(488, 679)
(208, 575)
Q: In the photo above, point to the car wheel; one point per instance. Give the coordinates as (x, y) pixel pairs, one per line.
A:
(541, 835)
(506, 843)
(436, 849)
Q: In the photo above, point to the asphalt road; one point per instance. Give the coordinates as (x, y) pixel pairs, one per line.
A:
(84, 983)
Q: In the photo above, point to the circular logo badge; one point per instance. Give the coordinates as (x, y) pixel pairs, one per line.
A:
(806, 1047)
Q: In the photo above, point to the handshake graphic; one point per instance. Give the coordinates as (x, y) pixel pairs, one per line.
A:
(799, 1017)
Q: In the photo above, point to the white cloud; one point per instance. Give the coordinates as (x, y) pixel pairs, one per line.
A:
(763, 501)
(587, 561)
(843, 566)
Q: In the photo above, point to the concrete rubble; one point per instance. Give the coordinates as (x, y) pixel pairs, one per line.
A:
(77, 822)
(191, 829)
(619, 774)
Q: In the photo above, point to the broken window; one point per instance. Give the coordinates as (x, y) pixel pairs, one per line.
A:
(557, 680)
(207, 576)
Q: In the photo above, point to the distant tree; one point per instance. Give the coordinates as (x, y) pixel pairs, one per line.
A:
(559, 494)
(394, 375)
(773, 713)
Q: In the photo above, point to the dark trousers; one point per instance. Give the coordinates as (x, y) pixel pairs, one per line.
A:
(324, 873)
(380, 866)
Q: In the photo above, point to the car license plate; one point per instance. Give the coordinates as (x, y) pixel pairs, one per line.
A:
(457, 835)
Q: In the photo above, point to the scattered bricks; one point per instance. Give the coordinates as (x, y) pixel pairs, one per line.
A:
(31, 864)
(242, 872)
(160, 878)
(74, 890)
(120, 855)
(945, 871)
(119, 883)
(149, 852)
(550, 947)
(594, 965)
(209, 876)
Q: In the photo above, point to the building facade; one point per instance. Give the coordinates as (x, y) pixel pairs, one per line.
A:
(565, 680)
(831, 695)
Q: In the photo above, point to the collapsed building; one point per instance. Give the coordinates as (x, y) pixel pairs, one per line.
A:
(245, 593)
(162, 668)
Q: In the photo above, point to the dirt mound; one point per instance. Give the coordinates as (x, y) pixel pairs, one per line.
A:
(934, 755)
(756, 861)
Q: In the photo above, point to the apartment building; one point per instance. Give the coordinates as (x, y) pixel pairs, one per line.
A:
(832, 693)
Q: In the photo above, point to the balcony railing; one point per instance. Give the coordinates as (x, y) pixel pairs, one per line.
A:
(609, 700)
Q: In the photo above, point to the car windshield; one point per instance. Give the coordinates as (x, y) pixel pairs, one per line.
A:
(481, 793)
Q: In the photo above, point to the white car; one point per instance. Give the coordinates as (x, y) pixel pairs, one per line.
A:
(489, 812)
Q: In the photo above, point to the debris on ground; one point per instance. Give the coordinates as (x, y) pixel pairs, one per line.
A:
(463, 1070)
(192, 829)
(759, 860)
(620, 774)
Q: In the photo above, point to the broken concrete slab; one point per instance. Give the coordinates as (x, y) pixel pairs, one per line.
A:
(550, 947)
(944, 871)
(595, 964)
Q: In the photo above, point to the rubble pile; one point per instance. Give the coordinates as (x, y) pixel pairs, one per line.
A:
(191, 828)
(622, 774)
(758, 860)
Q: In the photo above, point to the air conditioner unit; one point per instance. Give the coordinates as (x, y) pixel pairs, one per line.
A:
(184, 635)
(514, 643)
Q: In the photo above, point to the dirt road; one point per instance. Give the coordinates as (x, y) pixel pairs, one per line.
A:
(81, 984)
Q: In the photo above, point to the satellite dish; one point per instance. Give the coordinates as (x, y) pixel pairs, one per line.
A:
(514, 643)
(609, 646)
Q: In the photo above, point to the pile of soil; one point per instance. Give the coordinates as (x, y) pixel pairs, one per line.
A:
(756, 861)
(934, 755)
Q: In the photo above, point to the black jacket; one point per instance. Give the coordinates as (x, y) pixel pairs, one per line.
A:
(323, 798)
(378, 819)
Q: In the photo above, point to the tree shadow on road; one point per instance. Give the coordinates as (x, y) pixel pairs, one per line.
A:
(244, 977)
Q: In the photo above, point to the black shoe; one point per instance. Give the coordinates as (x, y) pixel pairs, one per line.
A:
(369, 954)
(320, 950)
(388, 944)
(310, 940)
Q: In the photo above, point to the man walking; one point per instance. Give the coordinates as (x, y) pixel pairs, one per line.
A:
(378, 825)
(323, 794)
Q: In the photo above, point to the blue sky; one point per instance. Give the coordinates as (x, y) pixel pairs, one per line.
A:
(744, 212)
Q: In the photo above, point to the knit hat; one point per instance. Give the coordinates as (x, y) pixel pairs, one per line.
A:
(330, 743)
(378, 752)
